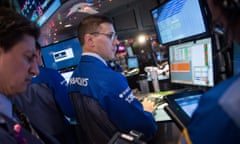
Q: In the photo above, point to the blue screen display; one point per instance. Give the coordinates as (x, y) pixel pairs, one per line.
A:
(132, 62)
(178, 19)
(189, 103)
(62, 55)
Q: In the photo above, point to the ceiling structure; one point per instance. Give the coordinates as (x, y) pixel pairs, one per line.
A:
(63, 24)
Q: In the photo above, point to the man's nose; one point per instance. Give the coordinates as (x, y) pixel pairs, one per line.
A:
(34, 68)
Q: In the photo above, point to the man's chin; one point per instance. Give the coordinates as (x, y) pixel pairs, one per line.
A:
(21, 91)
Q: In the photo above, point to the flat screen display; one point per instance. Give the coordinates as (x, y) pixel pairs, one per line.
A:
(38, 10)
(132, 62)
(176, 20)
(192, 63)
(62, 55)
(182, 105)
(189, 104)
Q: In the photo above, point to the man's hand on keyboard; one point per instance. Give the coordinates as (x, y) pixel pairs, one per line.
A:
(148, 105)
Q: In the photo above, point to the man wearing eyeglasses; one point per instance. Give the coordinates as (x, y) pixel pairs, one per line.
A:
(102, 98)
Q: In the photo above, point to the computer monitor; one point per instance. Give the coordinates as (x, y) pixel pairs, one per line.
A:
(132, 62)
(38, 11)
(178, 20)
(181, 106)
(189, 104)
(191, 63)
(62, 55)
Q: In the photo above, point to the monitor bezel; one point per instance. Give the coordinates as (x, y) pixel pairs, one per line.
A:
(174, 109)
(47, 15)
(197, 36)
(133, 57)
(192, 86)
(52, 44)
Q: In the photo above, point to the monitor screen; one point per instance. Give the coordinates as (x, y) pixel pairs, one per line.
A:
(38, 10)
(177, 20)
(132, 62)
(189, 104)
(62, 55)
(181, 106)
(192, 63)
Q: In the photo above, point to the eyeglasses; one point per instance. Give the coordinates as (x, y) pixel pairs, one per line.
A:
(112, 35)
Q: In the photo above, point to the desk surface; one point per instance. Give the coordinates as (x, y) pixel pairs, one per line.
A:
(159, 112)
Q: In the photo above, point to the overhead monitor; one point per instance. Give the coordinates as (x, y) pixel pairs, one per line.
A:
(38, 11)
(177, 20)
(62, 55)
(191, 63)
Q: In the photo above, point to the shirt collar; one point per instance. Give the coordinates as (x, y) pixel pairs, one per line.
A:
(96, 56)
(5, 106)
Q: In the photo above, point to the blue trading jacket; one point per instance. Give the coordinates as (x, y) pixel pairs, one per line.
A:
(211, 122)
(93, 78)
(59, 87)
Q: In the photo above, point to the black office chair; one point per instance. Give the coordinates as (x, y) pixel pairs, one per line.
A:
(94, 125)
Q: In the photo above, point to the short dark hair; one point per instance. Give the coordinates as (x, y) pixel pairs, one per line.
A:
(13, 27)
(91, 24)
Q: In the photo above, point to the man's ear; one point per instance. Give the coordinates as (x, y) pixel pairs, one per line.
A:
(88, 39)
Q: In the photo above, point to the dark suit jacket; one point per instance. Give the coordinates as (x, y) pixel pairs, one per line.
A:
(7, 132)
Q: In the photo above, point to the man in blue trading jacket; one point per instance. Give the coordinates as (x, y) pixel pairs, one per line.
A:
(217, 118)
(49, 103)
(103, 100)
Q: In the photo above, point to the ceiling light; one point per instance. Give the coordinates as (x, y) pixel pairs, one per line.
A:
(88, 10)
(67, 25)
(82, 7)
(141, 39)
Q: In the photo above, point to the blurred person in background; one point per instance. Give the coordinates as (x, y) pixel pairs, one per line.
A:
(217, 118)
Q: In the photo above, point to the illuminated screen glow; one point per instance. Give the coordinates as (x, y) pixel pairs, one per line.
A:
(178, 19)
(62, 55)
(132, 62)
(189, 104)
(192, 63)
(39, 10)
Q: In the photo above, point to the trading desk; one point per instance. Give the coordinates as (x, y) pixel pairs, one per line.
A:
(159, 112)
(168, 132)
